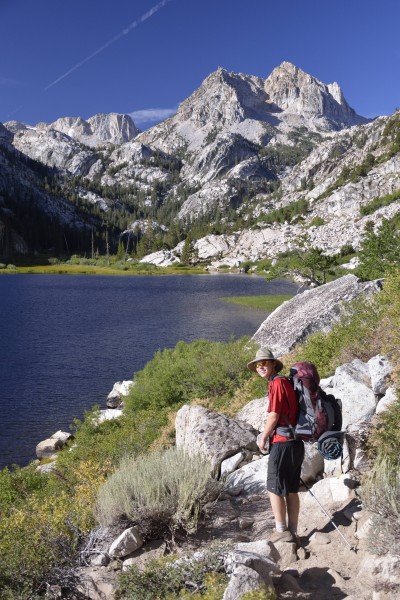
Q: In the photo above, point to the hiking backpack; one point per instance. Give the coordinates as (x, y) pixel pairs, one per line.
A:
(320, 414)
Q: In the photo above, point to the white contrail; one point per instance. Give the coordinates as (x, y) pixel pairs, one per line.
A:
(125, 31)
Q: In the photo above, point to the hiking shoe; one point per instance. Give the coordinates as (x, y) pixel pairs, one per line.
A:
(281, 536)
(297, 541)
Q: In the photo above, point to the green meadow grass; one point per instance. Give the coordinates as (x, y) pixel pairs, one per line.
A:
(267, 303)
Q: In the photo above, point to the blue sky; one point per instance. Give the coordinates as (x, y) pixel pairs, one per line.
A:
(143, 57)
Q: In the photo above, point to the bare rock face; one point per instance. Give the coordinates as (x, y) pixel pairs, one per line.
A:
(54, 149)
(255, 108)
(220, 156)
(216, 437)
(101, 128)
(298, 93)
(313, 310)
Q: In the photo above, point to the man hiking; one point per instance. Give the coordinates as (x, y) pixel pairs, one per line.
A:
(286, 456)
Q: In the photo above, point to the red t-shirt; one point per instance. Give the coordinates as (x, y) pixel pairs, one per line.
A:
(282, 400)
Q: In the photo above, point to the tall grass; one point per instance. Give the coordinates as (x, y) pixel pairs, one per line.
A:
(381, 495)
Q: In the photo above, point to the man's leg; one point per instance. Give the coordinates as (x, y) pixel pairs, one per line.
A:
(293, 509)
(278, 506)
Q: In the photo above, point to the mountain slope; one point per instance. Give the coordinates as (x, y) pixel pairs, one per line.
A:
(240, 153)
(256, 109)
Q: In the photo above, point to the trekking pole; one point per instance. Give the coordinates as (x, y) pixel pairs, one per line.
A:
(328, 515)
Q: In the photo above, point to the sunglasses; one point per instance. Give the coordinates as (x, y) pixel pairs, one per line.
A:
(262, 363)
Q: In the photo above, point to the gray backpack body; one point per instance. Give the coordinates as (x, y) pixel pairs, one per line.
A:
(320, 414)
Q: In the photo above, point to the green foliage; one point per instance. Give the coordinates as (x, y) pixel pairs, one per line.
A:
(285, 213)
(391, 135)
(40, 528)
(160, 491)
(317, 222)
(353, 174)
(380, 251)
(379, 202)
(18, 484)
(311, 264)
(346, 250)
(266, 303)
(107, 442)
(200, 369)
(192, 577)
(187, 250)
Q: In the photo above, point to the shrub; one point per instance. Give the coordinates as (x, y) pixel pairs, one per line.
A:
(380, 251)
(378, 202)
(200, 369)
(41, 527)
(381, 495)
(107, 442)
(201, 576)
(347, 249)
(161, 491)
(317, 222)
(286, 213)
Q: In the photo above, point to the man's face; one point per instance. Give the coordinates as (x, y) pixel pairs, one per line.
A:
(266, 368)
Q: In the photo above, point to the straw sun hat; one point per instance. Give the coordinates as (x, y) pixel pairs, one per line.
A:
(264, 354)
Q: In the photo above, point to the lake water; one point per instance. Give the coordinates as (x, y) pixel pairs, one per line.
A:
(65, 340)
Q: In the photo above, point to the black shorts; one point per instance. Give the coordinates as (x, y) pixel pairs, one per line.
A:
(284, 467)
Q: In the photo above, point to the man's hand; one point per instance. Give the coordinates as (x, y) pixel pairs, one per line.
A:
(270, 425)
(262, 442)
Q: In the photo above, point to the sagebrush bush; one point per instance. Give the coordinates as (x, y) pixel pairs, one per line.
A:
(160, 491)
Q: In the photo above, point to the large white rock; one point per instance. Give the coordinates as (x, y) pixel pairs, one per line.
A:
(330, 491)
(129, 541)
(254, 413)
(249, 479)
(229, 464)
(380, 573)
(313, 464)
(388, 399)
(332, 468)
(244, 580)
(108, 414)
(313, 310)
(352, 385)
(119, 391)
(214, 436)
(379, 370)
(48, 448)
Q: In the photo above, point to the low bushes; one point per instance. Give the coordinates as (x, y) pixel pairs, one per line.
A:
(200, 369)
(161, 491)
(379, 202)
(169, 578)
(41, 526)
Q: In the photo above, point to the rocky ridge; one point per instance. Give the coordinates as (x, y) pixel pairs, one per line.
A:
(238, 148)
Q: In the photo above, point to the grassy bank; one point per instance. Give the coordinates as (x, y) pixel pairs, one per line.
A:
(81, 269)
(265, 303)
